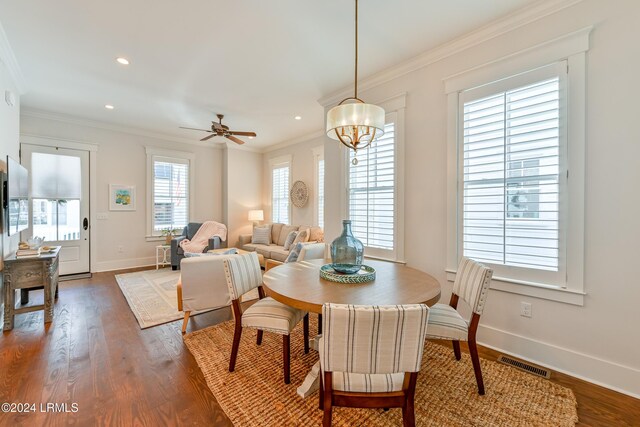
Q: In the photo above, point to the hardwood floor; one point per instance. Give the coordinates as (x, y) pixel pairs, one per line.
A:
(94, 354)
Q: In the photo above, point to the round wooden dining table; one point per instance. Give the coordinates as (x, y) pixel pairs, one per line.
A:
(298, 284)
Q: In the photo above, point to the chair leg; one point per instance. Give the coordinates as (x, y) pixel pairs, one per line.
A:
(319, 324)
(305, 329)
(185, 322)
(328, 387)
(408, 409)
(259, 337)
(321, 391)
(236, 344)
(456, 349)
(473, 350)
(286, 358)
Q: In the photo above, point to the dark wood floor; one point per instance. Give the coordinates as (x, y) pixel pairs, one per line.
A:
(94, 354)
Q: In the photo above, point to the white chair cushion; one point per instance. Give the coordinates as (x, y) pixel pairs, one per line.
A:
(367, 383)
(270, 315)
(446, 323)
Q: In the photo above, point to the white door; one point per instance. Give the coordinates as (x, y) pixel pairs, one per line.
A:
(59, 202)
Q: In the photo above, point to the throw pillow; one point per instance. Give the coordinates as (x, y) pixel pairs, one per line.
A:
(232, 251)
(316, 234)
(276, 228)
(302, 237)
(261, 235)
(284, 233)
(290, 238)
(294, 253)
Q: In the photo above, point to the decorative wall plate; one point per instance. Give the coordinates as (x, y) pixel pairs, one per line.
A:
(299, 194)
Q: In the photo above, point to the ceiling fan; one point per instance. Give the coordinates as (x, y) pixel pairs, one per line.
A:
(218, 129)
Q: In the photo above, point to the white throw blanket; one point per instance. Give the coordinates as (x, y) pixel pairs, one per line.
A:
(206, 231)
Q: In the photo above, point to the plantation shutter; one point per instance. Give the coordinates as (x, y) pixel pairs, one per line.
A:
(280, 194)
(321, 193)
(511, 172)
(170, 193)
(372, 192)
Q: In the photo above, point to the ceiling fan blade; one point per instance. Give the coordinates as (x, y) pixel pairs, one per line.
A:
(234, 139)
(233, 132)
(203, 130)
(208, 137)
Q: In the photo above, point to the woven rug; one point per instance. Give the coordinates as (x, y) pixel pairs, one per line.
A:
(446, 394)
(151, 295)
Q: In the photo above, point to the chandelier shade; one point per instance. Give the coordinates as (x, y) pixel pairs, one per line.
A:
(356, 125)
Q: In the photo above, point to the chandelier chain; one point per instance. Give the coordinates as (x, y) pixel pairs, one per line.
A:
(356, 65)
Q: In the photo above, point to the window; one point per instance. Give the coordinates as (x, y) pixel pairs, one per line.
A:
(372, 195)
(170, 190)
(280, 175)
(516, 168)
(318, 156)
(512, 173)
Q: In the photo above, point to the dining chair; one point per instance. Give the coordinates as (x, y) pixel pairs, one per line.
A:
(446, 323)
(370, 357)
(243, 274)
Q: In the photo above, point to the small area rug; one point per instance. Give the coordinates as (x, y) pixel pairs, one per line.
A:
(446, 394)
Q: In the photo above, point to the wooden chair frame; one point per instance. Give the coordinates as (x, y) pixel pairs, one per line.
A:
(286, 343)
(404, 399)
(471, 341)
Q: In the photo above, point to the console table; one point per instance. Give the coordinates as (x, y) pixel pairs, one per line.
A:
(26, 274)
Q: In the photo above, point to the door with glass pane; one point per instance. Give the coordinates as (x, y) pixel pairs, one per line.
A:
(59, 196)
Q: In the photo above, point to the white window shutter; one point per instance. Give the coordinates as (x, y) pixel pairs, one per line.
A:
(280, 195)
(170, 194)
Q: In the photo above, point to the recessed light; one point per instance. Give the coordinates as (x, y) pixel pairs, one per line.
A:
(109, 107)
(298, 117)
(123, 61)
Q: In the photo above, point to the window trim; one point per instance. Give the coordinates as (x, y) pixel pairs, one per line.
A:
(274, 163)
(318, 155)
(571, 48)
(395, 112)
(170, 155)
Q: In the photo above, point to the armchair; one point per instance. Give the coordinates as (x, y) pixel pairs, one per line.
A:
(187, 233)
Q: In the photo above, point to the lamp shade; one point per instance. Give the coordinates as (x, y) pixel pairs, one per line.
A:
(257, 215)
(358, 123)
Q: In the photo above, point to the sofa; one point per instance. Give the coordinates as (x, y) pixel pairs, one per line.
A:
(187, 233)
(279, 232)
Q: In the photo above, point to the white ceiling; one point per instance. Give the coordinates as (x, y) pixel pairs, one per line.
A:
(259, 62)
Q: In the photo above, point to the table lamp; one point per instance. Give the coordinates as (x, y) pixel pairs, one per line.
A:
(256, 216)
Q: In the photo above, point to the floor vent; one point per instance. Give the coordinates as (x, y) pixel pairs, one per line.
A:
(525, 366)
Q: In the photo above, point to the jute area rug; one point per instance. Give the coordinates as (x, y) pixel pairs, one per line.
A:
(151, 295)
(446, 394)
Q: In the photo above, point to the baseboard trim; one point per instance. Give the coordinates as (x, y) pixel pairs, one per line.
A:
(605, 373)
(123, 264)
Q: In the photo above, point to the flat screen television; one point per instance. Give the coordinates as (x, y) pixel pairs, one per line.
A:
(17, 197)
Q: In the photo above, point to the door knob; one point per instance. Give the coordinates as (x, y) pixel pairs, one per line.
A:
(85, 223)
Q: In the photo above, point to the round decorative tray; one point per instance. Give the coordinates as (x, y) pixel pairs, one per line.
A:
(366, 274)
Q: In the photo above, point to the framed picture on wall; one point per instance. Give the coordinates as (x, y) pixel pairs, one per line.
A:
(122, 197)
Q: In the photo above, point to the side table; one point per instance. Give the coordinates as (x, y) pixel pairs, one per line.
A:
(163, 255)
(30, 273)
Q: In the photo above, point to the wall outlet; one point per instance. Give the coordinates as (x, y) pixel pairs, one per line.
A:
(525, 309)
(120, 249)
(102, 215)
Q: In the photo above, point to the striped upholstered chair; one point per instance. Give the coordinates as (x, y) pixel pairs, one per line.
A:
(370, 357)
(472, 285)
(243, 274)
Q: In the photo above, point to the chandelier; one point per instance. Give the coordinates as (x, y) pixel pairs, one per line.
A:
(353, 122)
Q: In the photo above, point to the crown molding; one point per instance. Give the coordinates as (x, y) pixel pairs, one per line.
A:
(9, 59)
(294, 141)
(494, 29)
(64, 118)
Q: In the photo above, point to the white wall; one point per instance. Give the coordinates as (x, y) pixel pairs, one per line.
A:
(121, 159)
(9, 145)
(598, 341)
(242, 190)
(302, 169)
